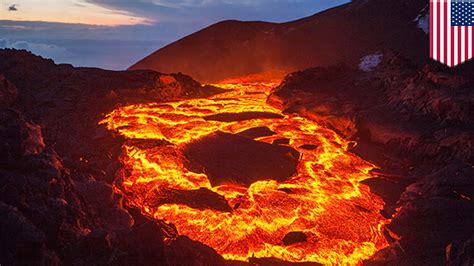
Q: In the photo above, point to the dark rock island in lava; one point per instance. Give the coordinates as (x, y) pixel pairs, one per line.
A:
(228, 158)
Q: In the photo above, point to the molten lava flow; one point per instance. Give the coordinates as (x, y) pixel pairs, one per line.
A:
(324, 200)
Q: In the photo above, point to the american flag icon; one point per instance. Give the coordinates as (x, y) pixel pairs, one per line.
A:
(451, 36)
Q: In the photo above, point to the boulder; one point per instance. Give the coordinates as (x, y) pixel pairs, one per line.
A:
(18, 136)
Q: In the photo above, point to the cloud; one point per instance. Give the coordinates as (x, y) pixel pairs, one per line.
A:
(206, 12)
(107, 54)
(12, 8)
(71, 11)
(45, 50)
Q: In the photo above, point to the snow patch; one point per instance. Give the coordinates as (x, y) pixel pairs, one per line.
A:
(423, 20)
(370, 62)
(45, 50)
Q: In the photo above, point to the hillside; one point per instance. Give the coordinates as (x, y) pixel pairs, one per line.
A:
(341, 34)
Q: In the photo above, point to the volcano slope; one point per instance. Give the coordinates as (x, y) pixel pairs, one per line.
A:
(341, 34)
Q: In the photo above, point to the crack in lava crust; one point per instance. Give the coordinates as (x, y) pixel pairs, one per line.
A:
(324, 199)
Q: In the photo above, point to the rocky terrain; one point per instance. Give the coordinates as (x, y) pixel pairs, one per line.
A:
(57, 167)
(416, 124)
(341, 34)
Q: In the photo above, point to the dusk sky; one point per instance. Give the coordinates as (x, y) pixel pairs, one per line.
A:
(114, 34)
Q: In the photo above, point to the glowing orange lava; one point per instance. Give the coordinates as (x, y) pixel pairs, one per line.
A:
(339, 216)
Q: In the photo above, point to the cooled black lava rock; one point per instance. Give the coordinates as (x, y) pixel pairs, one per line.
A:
(8, 92)
(256, 132)
(281, 141)
(230, 117)
(184, 251)
(228, 158)
(22, 242)
(277, 262)
(308, 147)
(293, 238)
(460, 253)
(202, 198)
(69, 102)
(18, 136)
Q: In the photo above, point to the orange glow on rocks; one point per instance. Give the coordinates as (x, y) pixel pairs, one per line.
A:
(324, 201)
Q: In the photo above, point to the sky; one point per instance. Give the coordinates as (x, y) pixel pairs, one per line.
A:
(114, 34)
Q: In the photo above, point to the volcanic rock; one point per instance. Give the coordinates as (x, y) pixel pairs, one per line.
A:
(413, 122)
(144, 242)
(22, 242)
(100, 197)
(8, 92)
(40, 211)
(55, 206)
(228, 158)
(256, 132)
(95, 192)
(69, 102)
(18, 137)
(460, 253)
(95, 244)
(276, 262)
(396, 105)
(308, 147)
(231, 117)
(281, 141)
(294, 237)
(184, 251)
(389, 190)
(198, 199)
(434, 212)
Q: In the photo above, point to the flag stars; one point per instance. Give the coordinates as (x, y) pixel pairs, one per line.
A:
(462, 13)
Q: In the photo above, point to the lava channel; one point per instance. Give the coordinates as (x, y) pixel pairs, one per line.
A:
(335, 218)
